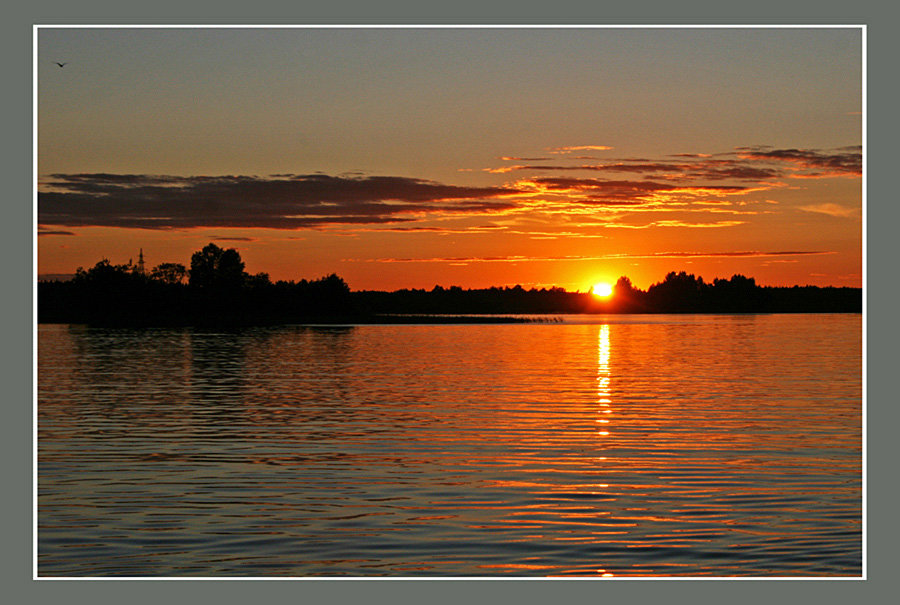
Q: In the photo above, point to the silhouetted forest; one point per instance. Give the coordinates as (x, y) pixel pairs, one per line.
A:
(215, 290)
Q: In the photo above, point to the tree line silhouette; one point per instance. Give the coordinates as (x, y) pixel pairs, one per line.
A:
(216, 290)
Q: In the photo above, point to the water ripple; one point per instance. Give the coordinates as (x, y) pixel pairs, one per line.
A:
(682, 446)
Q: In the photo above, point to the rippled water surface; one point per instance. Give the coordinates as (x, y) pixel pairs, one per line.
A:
(632, 445)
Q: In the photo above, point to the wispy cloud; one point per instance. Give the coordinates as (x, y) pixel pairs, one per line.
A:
(479, 230)
(673, 223)
(743, 254)
(756, 163)
(709, 169)
(571, 148)
(492, 230)
(474, 259)
(831, 209)
(519, 159)
(522, 259)
(559, 234)
(843, 161)
(600, 192)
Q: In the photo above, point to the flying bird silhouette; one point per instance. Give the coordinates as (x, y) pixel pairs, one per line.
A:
(61, 64)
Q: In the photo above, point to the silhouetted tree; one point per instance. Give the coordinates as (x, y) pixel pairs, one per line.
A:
(105, 292)
(333, 283)
(739, 294)
(169, 273)
(677, 293)
(626, 297)
(330, 294)
(260, 280)
(104, 274)
(213, 267)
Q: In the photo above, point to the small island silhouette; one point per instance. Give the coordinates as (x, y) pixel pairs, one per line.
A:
(216, 291)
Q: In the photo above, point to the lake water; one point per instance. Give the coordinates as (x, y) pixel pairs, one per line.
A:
(600, 446)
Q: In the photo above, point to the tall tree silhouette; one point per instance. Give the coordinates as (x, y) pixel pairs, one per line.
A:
(626, 298)
(215, 268)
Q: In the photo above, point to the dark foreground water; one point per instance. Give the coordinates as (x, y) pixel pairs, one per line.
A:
(635, 445)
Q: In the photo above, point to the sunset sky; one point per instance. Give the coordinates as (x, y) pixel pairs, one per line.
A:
(474, 157)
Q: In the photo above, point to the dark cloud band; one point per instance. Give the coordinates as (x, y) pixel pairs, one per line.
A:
(744, 164)
(287, 202)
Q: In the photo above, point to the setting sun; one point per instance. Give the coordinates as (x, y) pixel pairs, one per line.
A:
(602, 290)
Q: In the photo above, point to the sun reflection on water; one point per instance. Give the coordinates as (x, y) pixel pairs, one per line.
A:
(603, 375)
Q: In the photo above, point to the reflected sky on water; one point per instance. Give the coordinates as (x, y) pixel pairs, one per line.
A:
(692, 445)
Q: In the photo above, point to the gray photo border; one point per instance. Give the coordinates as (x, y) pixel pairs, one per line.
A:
(18, 343)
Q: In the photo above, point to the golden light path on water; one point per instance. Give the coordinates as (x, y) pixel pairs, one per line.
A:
(603, 395)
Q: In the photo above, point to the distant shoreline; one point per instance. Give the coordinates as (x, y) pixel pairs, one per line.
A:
(216, 290)
(412, 320)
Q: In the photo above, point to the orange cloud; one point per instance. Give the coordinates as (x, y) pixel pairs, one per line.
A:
(830, 209)
(759, 164)
(678, 224)
(569, 149)
(520, 258)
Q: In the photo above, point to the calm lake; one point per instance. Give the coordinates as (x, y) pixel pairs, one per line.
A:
(695, 445)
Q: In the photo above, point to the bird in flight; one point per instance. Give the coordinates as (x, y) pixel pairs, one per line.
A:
(61, 64)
